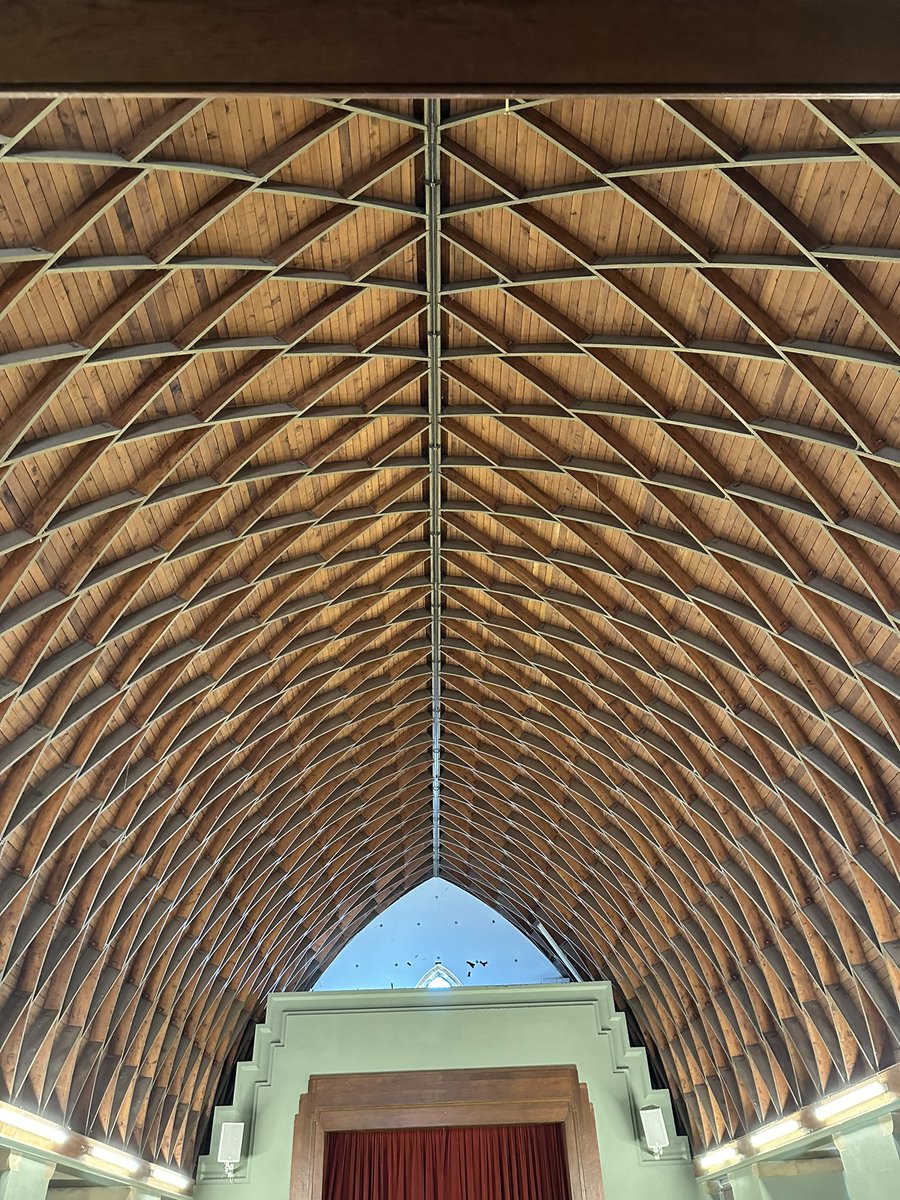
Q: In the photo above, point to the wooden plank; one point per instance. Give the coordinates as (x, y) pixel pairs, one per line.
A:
(779, 47)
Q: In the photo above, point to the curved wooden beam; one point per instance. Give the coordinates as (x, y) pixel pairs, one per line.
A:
(669, 528)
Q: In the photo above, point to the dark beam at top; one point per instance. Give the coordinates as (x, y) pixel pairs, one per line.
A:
(456, 47)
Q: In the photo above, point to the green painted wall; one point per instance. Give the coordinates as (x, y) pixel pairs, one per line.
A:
(817, 1186)
(331, 1032)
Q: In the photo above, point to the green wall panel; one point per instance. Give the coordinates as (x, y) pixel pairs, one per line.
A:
(344, 1032)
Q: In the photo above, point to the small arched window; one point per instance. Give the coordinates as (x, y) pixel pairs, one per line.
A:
(438, 976)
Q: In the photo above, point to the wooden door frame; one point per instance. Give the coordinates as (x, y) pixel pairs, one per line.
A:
(430, 1099)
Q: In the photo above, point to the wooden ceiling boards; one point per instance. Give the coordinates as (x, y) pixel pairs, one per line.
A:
(576, 416)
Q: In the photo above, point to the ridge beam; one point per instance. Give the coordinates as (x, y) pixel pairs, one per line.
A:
(434, 346)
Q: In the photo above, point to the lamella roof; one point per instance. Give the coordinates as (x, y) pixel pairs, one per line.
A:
(502, 489)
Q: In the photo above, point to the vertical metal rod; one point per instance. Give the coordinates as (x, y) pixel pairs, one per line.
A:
(433, 286)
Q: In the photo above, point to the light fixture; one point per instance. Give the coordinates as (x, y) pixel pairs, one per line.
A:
(872, 1089)
(774, 1133)
(169, 1178)
(17, 1118)
(110, 1157)
(720, 1157)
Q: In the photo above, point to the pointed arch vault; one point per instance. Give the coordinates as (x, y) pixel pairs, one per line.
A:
(503, 488)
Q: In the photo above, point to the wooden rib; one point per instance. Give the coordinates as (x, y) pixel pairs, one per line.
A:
(669, 628)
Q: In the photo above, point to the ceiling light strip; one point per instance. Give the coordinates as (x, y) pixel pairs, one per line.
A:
(66, 1146)
(825, 1116)
(39, 1127)
(433, 316)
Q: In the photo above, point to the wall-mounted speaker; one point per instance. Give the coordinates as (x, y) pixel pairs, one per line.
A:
(231, 1140)
(653, 1123)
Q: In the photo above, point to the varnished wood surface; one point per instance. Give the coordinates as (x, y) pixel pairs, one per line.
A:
(469, 46)
(669, 550)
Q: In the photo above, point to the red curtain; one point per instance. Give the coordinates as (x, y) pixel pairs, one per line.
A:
(497, 1162)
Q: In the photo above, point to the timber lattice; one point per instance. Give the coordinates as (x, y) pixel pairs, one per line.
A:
(668, 548)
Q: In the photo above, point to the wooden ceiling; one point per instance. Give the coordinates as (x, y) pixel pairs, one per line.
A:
(597, 398)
